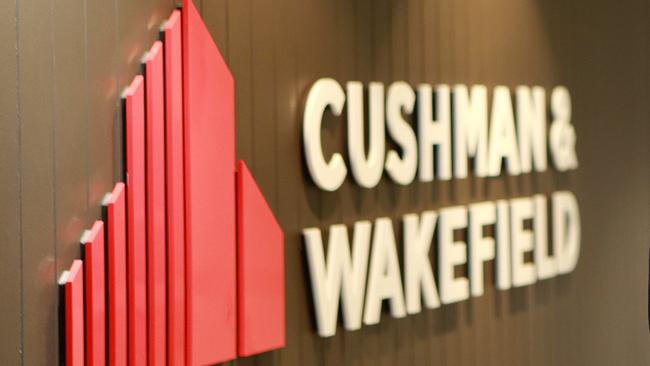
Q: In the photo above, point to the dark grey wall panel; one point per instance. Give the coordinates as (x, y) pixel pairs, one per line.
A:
(39, 261)
(10, 250)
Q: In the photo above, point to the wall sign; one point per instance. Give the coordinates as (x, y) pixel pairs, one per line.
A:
(194, 270)
(361, 268)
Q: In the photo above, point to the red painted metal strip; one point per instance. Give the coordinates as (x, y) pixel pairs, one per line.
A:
(156, 241)
(209, 123)
(175, 191)
(116, 275)
(260, 269)
(95, 292)
(136, 223)
(74, 315)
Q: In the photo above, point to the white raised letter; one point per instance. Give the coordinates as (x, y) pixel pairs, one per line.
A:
(340, 270)
(531, 127)
(366, 171)
(401, 98)
(522, 241)
(384, 280)
(503, 246)
(327, 175)
(481, 248)
(566, 230)
(434, 132)
(470, 130)
(545, 263)
(452, 254)
(503, 140)
(418, 234)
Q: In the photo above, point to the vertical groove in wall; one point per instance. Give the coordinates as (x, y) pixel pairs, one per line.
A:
(19, 171)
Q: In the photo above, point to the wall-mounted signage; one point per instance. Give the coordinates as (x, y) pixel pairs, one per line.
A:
(453, 124)
(194, 270)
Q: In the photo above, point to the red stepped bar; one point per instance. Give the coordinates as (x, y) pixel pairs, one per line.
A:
(136, 223)
(155, 193)
(115, 216)
(95, 291)
(209, 124)
(73, 289)
(194, 255)
(260, 269)
(175, 190)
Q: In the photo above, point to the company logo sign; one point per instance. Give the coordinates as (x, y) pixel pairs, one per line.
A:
(450, 126)
(187, 265)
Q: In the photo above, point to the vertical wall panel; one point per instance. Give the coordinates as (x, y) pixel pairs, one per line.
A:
(10, 235)
(70, 128)
(103, 99)
(37, 174)
(288, 178)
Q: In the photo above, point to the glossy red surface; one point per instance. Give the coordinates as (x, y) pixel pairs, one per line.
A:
(95, 295)
(116, 275)
(209, 123)
(175, 191)
(136, 222)
(74, 315)
(260, 269)
(156, 241)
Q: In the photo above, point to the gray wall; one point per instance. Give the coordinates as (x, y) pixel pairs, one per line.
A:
(64, 63)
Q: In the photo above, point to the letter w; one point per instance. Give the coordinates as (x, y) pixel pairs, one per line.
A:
(340, 270)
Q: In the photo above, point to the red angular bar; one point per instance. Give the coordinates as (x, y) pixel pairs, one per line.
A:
(136, 222)
(73, 288)
(175, 190)
(114, 204)
(209, 123)
(95, 292)
(260, 270)
(156, 241)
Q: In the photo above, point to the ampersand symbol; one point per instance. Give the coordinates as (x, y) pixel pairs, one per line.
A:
(562, 137)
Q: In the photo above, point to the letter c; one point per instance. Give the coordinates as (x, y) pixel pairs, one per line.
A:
(327, 175)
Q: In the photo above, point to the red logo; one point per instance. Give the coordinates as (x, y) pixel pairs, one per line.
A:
(187, 267)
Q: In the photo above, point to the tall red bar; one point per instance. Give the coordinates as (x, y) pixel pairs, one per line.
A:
(115, 216)
(155, 168)
(136, 222)
(73, 285)
(95, 294)
(209, 125)
(260, 270)
(175, 191)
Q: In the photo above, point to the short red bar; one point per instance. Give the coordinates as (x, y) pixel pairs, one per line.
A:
(175, 191)
(136, 222)
(72, 282)
(115, 216)
(209, 123)
(260, 270)
(95, 291)
(156, 242)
